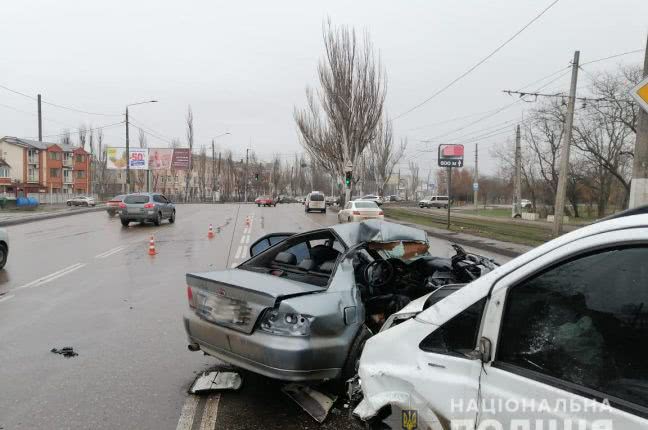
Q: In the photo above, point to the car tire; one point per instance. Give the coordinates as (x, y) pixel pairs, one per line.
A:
(350, 368)
(258, 205)
(85, 204)
(111, 214)
(125, 222)
(4, 253)
(324, 211)
(172, 218)
(158, 219)
(69, 203)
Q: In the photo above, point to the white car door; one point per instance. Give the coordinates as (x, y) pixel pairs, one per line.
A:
(568, 332)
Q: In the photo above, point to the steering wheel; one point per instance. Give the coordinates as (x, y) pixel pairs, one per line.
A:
(378, 273)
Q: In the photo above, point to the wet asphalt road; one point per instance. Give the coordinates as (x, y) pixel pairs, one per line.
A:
(86, 282)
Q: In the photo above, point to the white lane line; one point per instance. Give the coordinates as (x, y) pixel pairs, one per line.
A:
(245, 240)
(234, 265)
(5, 298)
(211, 413)
(188, 411)
(110, 252)
(52, 276)
(244, 252)
(238, 252)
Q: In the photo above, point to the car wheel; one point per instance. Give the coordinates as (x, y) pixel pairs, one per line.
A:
(125, 222)
(4, 252)
(69, 203)
(258, 205)
(324, 211)
(85, 204)
(350, 368)
(158, 219)
(111, 213)
(172, 218)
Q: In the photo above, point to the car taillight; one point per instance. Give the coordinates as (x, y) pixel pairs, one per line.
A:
(122, 205)
(381, 213)
(149, 206)
(190, 297)
(356, 212)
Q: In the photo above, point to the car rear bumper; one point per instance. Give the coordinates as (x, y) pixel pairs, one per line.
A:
(141, 216)
(279, 357)
(357, 218)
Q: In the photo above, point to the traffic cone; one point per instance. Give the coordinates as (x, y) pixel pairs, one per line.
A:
(211, 232)
(247, 221)
(151, 250)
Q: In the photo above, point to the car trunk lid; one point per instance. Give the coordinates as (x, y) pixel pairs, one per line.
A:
(236, 298)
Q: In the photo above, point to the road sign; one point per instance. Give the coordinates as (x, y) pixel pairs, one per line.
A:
(640, 93)
(451, 155)
(475, 186)
(348, 167)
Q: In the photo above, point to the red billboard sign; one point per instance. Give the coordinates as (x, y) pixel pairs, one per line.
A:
(451, 155)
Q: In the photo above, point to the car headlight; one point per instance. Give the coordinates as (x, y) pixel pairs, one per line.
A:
(285, 323)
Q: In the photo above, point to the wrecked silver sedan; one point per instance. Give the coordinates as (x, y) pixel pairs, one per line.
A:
(301, 308)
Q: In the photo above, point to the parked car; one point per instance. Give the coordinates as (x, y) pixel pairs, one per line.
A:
(303, 305)
(112, 206)
(81, 201)
(559, 325)
(4, 247)
(525, 204)
(286, 199)
(373, 198)
(265, 201)
(359, 210)
(146, 207)
(332, 200)
(315, 201)
(434, 202)
(393, 198)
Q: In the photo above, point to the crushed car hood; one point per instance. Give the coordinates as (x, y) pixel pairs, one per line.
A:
(377, 231)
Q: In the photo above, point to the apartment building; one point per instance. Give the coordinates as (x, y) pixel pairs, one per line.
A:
(31, 166)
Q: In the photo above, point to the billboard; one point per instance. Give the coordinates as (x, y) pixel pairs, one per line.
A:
(451, 155)
(181, 158)
(160, 158)
(148, 158)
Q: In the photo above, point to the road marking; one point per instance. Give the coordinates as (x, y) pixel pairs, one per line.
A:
(244, 252)
(110, 252)
(52, 276)
(4, 299)
(211, 413)
(238, 252)
(245, 239)
(187, 415)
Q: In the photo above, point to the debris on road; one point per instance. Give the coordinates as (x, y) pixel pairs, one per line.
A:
(315, 403)
(66, 351)
(216, 380)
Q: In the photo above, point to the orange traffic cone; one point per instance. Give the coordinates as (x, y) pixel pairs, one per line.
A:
(211, 232)
(247, 221)
(151, 250)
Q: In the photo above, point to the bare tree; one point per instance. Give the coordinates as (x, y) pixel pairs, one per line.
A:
(342, 120)
(384, 157)
(275, 175)
(66, 138)
(201, 170)
(83, 132)
(415, 179)
(190, 141)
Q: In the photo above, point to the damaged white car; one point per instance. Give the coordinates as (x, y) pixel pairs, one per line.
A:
(302, 307)
(553, 339)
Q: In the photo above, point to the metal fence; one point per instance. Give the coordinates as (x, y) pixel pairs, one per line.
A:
(57, 198)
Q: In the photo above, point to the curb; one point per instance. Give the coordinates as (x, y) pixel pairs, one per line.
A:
(50, 216)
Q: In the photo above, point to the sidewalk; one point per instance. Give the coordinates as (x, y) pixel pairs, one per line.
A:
(14, 217)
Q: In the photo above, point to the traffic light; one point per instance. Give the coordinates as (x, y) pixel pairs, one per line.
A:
(347, 179)
(256, 176)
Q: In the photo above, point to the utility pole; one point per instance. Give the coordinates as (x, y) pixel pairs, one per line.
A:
(128, 182)
(40, 120)
(449, 193)
(559, 206)
(398, 186)
(213, 171)
(476, 179)
(517, 179)
(639, 184)
(247, 152)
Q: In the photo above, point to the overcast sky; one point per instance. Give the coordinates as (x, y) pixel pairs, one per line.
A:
(243, 65)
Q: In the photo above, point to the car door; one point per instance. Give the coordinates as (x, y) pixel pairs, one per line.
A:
(167, 207)
(570, 331)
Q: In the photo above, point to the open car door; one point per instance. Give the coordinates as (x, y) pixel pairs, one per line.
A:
(267, 241)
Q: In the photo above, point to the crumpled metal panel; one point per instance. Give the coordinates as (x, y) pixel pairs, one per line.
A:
(374, 230)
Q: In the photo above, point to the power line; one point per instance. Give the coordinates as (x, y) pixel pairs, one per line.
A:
(76, 130)
(612, 56)
(479, 63)
(57, 105)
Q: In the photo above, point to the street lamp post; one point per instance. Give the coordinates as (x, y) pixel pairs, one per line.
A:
(128, 181)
